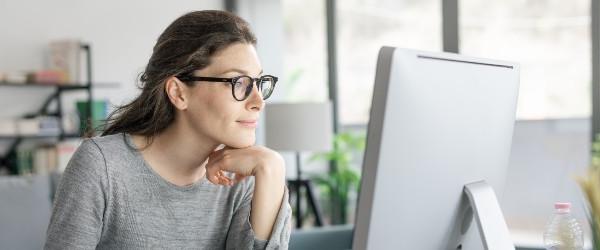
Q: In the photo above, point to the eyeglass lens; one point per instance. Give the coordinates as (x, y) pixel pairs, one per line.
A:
(243, 87)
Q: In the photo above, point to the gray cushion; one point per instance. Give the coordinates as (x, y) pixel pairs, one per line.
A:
(25, 210)
(331, 238)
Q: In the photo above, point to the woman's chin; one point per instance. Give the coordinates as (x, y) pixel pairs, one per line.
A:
(241, 143)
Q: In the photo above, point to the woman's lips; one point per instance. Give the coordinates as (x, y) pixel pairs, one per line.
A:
(248, 123)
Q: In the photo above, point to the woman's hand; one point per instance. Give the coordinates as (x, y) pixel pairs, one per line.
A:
(268, 169)
(242, 162)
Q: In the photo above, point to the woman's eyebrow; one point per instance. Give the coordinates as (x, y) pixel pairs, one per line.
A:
(243, 72)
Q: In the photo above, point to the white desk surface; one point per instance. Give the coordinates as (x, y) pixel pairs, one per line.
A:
(535, 239)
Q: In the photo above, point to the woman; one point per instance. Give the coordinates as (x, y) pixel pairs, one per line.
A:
(177, 167)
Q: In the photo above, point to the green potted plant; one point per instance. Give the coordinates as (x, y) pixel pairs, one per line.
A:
(342, 180)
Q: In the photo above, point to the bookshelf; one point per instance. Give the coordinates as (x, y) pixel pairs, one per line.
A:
(10, 157)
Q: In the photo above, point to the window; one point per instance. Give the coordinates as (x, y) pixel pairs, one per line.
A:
(305, 52)
(551, 41)
(364, 26)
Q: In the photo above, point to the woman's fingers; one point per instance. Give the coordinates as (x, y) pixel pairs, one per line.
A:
(216, 178)
(239, 178)
(226, 181)
(212, 177)
(214, 173)
(230, 160)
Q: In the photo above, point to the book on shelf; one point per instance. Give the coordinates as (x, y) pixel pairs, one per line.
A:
(13, 77)
(64, 64)
(99, 115)
(66, 55)
(48, 77)
(45, 158)
(8, 127)
(65, 151)
(36, 126)
(35, 77)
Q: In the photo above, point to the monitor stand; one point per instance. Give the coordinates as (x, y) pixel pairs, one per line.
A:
(483, 205)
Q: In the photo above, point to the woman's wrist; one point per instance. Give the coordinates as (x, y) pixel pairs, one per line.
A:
(272, 165)
(269, 191)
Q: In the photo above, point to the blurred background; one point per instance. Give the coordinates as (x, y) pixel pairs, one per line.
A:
(323, 51)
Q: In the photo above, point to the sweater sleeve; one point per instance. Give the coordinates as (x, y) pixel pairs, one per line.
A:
(77, 216)
(241, 235)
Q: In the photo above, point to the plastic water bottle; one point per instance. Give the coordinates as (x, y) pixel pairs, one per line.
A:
(562, 231)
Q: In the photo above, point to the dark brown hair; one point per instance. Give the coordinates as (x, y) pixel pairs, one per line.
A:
(186, 45)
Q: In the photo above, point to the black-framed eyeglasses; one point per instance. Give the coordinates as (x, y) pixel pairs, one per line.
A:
(241, 86)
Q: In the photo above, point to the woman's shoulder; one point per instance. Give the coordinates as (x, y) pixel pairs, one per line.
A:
(86, 163)
(114, 140)
(113, 145)
(109, 148)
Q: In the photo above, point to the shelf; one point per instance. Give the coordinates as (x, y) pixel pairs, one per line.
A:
(8, 160)
(71, 86)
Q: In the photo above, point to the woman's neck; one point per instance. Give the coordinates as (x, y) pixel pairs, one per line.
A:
(176, 156)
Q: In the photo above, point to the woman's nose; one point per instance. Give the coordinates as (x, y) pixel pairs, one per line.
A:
(255, 100)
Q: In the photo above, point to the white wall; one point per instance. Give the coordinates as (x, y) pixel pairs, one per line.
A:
(122, 34)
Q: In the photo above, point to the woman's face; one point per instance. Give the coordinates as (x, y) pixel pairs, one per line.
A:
(213, 112)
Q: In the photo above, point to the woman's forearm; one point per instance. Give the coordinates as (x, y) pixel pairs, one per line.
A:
(268, 194)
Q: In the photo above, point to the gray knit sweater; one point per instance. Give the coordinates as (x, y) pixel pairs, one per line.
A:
(109, 198)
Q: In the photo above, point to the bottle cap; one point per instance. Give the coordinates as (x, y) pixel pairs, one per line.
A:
(566, 206)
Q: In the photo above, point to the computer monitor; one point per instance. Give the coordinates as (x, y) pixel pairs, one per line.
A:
(438, 146)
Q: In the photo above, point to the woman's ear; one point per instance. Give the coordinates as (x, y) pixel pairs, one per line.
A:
(177, 92)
